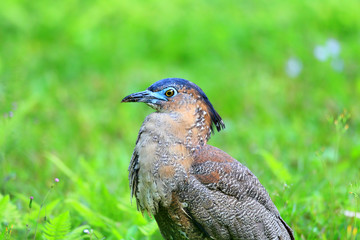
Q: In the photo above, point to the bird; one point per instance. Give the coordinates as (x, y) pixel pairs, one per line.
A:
(195, 190)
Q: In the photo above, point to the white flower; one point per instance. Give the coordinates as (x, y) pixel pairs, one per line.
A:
(293, 67)
(330, 49)
(333, 47)
(321, 53)
(351, 214)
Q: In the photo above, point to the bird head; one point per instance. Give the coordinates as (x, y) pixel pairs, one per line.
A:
(176, 95)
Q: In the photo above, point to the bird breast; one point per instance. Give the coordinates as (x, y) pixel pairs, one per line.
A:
(163, 161)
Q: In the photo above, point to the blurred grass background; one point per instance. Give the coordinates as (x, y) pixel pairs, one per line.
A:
(284, 75)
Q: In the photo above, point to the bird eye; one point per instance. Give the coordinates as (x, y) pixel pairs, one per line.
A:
(170, 93)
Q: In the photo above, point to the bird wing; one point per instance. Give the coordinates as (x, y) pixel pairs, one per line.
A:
(134, 170)
(228, 200)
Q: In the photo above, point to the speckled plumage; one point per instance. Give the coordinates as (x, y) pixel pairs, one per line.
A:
(194, 190)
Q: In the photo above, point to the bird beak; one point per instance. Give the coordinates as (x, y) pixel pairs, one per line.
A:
(144, 96)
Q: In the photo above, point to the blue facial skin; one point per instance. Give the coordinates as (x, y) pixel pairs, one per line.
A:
(155, 98)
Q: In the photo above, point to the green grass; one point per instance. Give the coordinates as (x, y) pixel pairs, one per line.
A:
(66, 65)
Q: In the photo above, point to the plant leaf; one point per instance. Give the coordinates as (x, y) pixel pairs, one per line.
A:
(58, 227)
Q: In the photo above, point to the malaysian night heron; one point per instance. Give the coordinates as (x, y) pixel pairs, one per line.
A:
(194, 190)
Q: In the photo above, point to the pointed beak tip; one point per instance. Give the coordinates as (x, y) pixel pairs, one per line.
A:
(128, 99)
(135, 97)
(124, 100)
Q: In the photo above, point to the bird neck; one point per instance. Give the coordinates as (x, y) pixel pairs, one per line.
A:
(190, 126)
